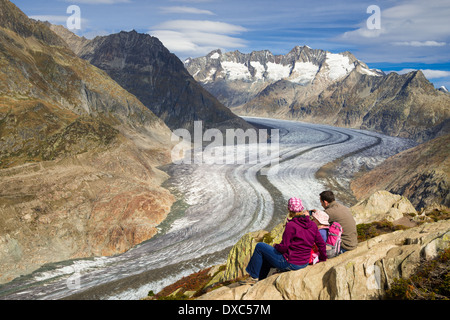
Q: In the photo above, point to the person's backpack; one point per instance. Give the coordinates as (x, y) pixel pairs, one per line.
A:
(333, 244)
(334, 240)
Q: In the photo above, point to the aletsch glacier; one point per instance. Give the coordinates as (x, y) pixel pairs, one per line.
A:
(217, 205)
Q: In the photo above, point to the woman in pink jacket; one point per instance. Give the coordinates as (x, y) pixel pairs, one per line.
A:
(294, 251)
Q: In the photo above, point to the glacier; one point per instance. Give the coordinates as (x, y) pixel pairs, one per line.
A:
(217, 204)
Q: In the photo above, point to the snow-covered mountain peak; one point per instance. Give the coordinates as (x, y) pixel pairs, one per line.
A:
(302, 65)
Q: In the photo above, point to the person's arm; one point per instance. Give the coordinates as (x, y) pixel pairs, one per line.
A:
(288, 233)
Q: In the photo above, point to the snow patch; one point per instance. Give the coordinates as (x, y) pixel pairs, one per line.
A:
(210, 75)
(236, 71)
(215, 55)
(277, 71)
(370, 72)
(339, 65)
(259, 69)
(76, 266)
(304, 72)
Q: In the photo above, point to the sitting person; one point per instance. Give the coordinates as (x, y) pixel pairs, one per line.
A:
(320, 218)
(294, 251)
(341, 214)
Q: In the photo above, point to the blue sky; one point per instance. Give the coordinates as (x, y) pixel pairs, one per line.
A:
(406, 35)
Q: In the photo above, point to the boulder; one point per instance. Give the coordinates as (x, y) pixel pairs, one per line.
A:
(242, 251)
(382, 205)
(240, 255)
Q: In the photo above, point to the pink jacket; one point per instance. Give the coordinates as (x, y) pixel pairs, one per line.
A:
(299, 237)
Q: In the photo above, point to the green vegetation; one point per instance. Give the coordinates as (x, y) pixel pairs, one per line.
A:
(367, 231)
(268, 238)
(430, 282)
(35, 131)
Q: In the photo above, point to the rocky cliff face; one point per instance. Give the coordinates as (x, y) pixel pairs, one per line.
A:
(322, 87)
(78, 154)
(143, 66)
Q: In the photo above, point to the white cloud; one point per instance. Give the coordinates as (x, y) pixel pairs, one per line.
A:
(201, 25)
(435, 74)
(420, 43)
(415, 22)
(54, 19)
(192, 1)
(429, 73)
(99, 1)
(408, 31)
(189, 10)
(197, 37)
(50, 18)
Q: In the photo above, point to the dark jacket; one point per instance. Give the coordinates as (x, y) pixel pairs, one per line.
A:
(299, 237)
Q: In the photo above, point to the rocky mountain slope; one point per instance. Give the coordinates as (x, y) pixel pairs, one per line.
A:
(322, 87)
(421, 174)
(78, 154)
(237, 78)
(142, 65)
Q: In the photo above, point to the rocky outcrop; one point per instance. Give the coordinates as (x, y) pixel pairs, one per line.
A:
(321, 87)
(363, 273)
(143, 66)
(242, 251)
(421, 174)
(78, 154)
(382, 205)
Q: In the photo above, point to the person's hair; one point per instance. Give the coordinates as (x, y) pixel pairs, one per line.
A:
(293, 214)
(327, 196)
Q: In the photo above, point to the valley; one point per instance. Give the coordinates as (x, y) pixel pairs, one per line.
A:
(217, 204)
(96, 202)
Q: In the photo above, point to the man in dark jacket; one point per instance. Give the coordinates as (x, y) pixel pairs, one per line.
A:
(341, 214)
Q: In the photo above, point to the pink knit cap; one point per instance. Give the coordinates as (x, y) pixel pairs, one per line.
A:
(295, 205)
(321, 216)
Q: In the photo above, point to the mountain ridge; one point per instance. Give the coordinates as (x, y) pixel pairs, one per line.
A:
(142, 65)
(79, 155)
(318, 86)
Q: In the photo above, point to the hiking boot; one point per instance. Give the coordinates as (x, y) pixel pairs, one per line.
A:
(249, 281)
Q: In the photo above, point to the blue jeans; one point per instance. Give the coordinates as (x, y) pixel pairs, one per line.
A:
(265, 257)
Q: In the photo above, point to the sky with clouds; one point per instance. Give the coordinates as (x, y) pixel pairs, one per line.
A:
(401, 36)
